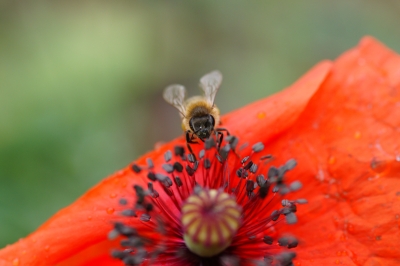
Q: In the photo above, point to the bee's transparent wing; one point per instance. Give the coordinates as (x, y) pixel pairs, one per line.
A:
(210, 83)
(175, 95)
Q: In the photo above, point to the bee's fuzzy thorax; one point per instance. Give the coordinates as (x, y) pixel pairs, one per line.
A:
(198, 106)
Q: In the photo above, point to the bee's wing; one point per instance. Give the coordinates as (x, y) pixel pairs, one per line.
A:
(175, 95)
(210, 83)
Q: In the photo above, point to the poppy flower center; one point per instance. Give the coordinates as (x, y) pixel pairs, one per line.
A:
(210, 219)
(213, 208)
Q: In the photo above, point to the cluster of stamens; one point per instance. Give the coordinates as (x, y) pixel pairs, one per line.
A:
(211, 211)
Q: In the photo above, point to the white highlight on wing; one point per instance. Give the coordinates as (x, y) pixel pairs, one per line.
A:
(175, 95)
(210, 84)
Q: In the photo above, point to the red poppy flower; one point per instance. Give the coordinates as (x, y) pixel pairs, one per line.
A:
(339, 122)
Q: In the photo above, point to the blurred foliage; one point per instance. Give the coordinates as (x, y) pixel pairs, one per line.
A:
(81, 81)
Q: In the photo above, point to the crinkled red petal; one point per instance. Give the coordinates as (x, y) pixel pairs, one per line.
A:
(347, 143)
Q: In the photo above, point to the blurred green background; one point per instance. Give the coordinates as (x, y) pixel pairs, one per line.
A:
(81, 81)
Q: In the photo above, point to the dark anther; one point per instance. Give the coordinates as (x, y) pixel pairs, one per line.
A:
(191, 158)
(168, 156)
(285, 210)
(151, 176)
(281, 172)
(209, 143)
(119, 254)
(189, 170)
(245, 174)
(301, 201)
(288, 241)
(123, 201)
(225, 151)
(249, 185)
(293, 244)
(179, 151)
(239, 172)
(253, 168)
(168, 168)
(260, 180)
(140, 194)
(178, 167)
(197, 189)
(291, 218)
(285, 258)
(169, 192)
(150, 163)
(178, 181)
(132, 260)
(273, 172)
(129, 213)
(165, 180)
(152, 191)
(202, 153)
(296, 185)
(207, 163)
(292, 207)
(268, 240)
(149, 207)
(285, 202)
(263, 191)
(248, 165)
(245, 159)
(125, 230)
(289, 165)
(131, 242)
(145, 217)
(233, 141)
(265, 157)
(136, 168)
(195, 165)
(283, 241)
(259, 146)
(275, 215)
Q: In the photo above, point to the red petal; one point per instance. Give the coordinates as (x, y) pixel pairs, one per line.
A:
(347, 143)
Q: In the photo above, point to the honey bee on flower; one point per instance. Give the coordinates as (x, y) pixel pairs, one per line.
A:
(199, 114)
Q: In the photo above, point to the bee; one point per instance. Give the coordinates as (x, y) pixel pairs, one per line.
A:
(199, 114)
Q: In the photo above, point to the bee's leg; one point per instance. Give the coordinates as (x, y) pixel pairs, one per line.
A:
(223, 129)
(189, 140)
(219, 136)
(220, 130)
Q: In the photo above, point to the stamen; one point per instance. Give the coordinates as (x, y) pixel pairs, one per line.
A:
(179, 151)
(150, 163)
(168, 168)
(220, 218)
(168, 156)
(259, 146)
(136, 168)
(178, 167)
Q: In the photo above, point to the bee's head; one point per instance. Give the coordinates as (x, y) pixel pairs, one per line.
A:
(202, 126)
